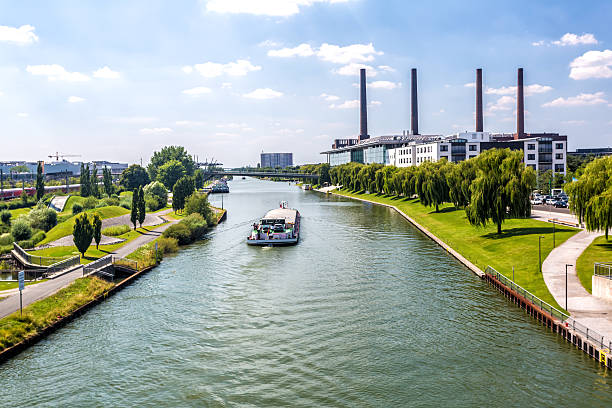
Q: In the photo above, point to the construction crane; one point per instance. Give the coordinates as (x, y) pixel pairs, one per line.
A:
(58, 155)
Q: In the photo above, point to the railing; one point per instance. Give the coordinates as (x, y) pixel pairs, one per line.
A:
(97, 264)
(568, 321)
(603, 269)
(38, 260)
(61, 265)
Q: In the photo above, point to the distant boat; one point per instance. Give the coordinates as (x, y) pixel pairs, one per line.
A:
(278, 227)
(243, 177)
(307, 186)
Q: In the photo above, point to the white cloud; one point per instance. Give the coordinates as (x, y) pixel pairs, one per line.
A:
(353, 69)
(240, 67)
(106, 73)
(263, 93)
(352, 104)
(189, 123)
(1, 93)
(242, 126)
(198, 90)
(56, 72)
(226, 85)
(329, 98)
(130, 120)
(375, 103)
(470, 85)
(386, 68)
(157, 130)
(592, 64)
(302, 50)
(573, 39)
(384, 85)
(573, 122)
(275, 8)
(224, 134)
(538, 43)
(22, 35)
(269, 44)
(527, 90)
(23, 114)
(188, 69)
(348, 54)
(75, 99)
(502, 104)
(584, 99)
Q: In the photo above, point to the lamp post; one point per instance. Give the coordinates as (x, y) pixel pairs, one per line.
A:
(540, 252)
(566, 265)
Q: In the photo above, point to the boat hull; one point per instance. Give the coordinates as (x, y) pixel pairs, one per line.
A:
(272, 242)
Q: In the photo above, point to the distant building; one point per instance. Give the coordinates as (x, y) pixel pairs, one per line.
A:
(59, 169)
(274, 160)
(600, 151)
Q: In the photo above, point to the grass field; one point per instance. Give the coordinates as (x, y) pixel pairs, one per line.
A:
(14, 285)
(600, 250)
(71, 201)
(517, 245)
(19, 211)
(37, 316)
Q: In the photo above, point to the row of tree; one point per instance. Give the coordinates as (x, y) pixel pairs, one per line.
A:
(491, 187)
(139, 208)
(86, 229)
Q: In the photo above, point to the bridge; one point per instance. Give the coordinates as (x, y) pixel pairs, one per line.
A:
(251, 173)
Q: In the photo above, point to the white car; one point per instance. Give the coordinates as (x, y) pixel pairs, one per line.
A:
(536, 201)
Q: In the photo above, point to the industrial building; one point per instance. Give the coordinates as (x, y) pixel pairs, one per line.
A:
(542, 151)
(275, 160)
(57, 169)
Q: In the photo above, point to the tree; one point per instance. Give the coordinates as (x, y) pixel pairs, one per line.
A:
(198, 204)
(170, 172)
(502, 188)
(84, 180)
(142, 208)
(82, 233)
(40, 182)
(198, 177)
(134, 212)
(93, 182)
(96, 223)
(134, 177)
(167, 154)
(324, 174)
(545, 180)
(459, 179)
(183, 188)
(107, 179)
(156, 195)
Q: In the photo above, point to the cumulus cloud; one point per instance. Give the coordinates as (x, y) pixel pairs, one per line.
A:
(106, 73)
(56, 72)
(574, 39)
(269, 44)
(470, 85)
(302, 50)
(226, 85)
(263, 93)
(198, 90)
(347, 54)
(157, 130)
(18, 35)
(386, 68)
(584, 99)
(75, 99)
(352, 104)
(240, 67)
(189, 123)
(275, 8)
(384, 85)
(504, 103)
(592, 64)
(528, 90)
(329, 98)
(354, 68)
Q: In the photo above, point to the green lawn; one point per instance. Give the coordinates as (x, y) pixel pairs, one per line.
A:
(73, 199)
(19, 211)
(600, 250)
(517, 246)
(13, 285)
(65, 228)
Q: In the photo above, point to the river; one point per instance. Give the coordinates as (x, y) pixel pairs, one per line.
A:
(365, 311)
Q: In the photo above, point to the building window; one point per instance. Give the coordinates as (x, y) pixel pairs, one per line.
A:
(472, 148)
(559, 168)
(559, 146)
(559, 156)
(444, 148)
(531, 146)
(531, 157)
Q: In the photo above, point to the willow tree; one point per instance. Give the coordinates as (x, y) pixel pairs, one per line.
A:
(501, 189)
(430, 184)
(459, 179)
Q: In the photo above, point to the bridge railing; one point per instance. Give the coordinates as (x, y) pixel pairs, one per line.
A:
(38, 260)
(603, 269)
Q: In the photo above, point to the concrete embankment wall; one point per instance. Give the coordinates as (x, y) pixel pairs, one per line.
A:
(602, 287)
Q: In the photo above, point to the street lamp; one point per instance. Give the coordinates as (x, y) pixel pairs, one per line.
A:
(566, 265)
(540, 252)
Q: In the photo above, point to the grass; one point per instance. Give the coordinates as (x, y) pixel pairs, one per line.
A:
(65, 228)
(116, 230)
(72, 200)
(14, 285)
(600, 250)
(516, 247)
(38, 315)
(19, 211)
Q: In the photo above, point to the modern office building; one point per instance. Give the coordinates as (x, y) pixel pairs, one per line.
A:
(542, 151)
(275, 160)
(597, 152)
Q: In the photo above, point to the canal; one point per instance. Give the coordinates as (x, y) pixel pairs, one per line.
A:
(365, 311)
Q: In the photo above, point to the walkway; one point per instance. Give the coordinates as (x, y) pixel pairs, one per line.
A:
(59, 202)
(593, 312)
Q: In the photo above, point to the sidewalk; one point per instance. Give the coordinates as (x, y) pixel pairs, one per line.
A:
(593, 312)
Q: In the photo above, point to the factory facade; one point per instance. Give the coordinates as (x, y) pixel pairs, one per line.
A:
(275, 160)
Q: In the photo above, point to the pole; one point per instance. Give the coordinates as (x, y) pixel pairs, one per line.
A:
(540, 252)
(513, 274)
(20, 303)
(221, 201)
(554, 234)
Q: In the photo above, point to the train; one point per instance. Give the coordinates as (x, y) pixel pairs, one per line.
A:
(11, 193)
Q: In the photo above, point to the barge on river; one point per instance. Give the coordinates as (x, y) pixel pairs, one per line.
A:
(278, 227)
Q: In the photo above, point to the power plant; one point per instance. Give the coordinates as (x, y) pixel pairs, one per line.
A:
(542, 151)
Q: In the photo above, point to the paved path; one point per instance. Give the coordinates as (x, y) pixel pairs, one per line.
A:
(546, 215)
(58, 203)
(595, 313)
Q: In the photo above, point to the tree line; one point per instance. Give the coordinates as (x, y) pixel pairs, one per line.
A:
(492, 187)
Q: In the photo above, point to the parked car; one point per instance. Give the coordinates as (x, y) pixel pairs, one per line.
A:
(536, 201)
(560, 204)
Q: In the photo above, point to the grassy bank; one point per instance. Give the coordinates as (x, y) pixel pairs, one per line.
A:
(37, 316)
(15, 285)
(517, 245)
(600, 250)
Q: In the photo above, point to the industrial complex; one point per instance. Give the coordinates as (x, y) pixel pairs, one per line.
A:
(275, 160)
(542, 151)
(56, 169)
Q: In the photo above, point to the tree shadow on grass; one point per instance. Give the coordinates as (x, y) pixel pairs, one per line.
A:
(606, 245)
(445, 210)
(515, 232)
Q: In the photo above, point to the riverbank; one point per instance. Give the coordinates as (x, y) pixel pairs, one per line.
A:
(516, 247)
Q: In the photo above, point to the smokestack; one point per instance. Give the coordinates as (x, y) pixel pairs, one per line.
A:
(414, 109)
(479, 100)
(520, 106)
(363, 108)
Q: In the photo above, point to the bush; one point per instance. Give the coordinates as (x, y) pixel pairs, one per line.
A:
(167, 245)
(198, 204)
(126, 203)
(6, 239)
(39, 236)
(42, 218)
(156, 196)
(180, 232)
(5, 216)
(5, 249)
(90, 203)
(116, 230)
(114, 200)
(3, 206)
(26, 244)
(197, 225)
(77, 208)
(21, 230)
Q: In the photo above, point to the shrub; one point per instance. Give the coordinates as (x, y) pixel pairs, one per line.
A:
(90, 203)
(39, 236)
(4, 206)
(21, 230)
(77, 208)
(116, 230)
(180, 232)
(167, 245)
(156, 196)
(5, 249)
(26, 244)
(6, 239)
(198, 204)
(126, 203)
(114, 200)
(42, 218)
(197, 225)
(5, 216)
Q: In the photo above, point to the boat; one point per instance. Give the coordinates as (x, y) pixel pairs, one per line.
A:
(219, 187)
(280, 226)
(244, 178)
(307, 186)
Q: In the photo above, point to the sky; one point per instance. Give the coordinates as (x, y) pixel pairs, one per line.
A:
(227, 79)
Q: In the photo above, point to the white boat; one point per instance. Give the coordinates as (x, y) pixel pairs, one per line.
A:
(278, 227)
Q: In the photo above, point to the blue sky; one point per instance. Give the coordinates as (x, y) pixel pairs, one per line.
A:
(227, 79)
